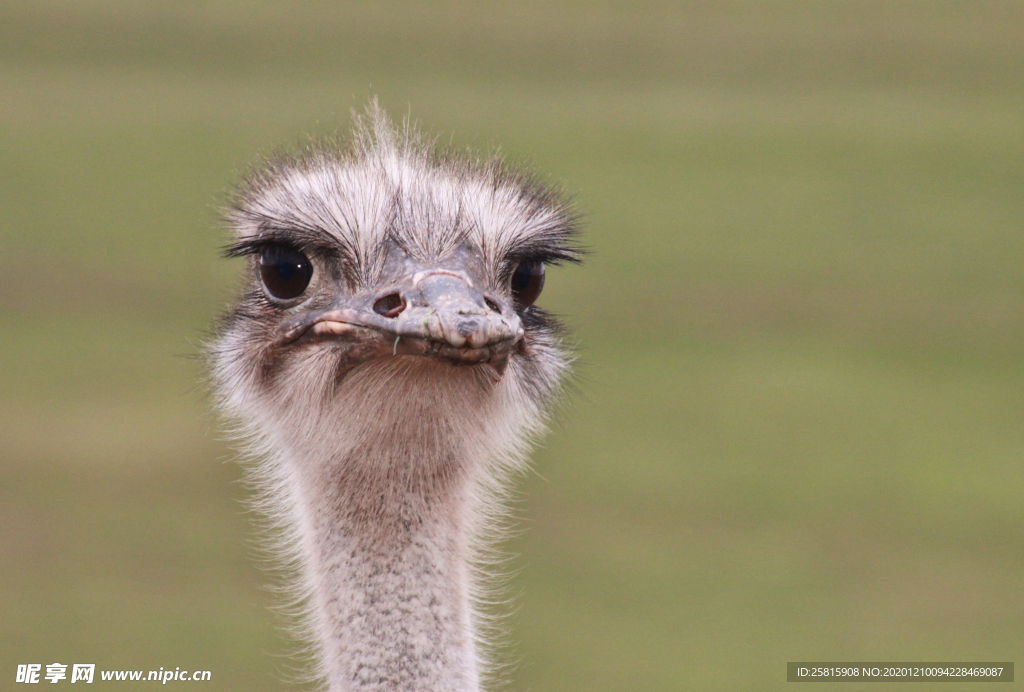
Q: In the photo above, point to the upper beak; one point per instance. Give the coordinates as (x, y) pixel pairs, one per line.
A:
(436, 313)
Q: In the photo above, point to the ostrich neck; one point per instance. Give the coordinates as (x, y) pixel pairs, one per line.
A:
(384, 530)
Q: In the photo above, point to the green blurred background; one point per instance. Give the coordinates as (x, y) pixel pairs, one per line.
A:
(799, 426)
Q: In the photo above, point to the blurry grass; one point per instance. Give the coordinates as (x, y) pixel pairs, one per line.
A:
(771, 503)
(800, 427)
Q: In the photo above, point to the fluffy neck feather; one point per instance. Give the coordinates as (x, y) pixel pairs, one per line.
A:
(384, 494)
(387, 568)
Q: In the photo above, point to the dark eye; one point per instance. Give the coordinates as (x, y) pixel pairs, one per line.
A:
(285, 272)
(527, 282)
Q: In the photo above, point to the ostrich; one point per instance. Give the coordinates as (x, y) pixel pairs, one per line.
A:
(387, 369)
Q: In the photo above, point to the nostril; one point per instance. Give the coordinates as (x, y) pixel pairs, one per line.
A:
(492, 305)
(390, 305)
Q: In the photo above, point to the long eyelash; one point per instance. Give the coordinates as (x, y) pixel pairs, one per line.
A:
(550, 256)
(309, 243)
(553, 246)
(244, 248)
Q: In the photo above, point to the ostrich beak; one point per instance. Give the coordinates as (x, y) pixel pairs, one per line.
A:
(435, 313)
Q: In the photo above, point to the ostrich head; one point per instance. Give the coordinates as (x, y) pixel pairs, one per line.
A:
(389, 365)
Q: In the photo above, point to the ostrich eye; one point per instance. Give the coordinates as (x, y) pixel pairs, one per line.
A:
(527, 282)
(285, 272)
